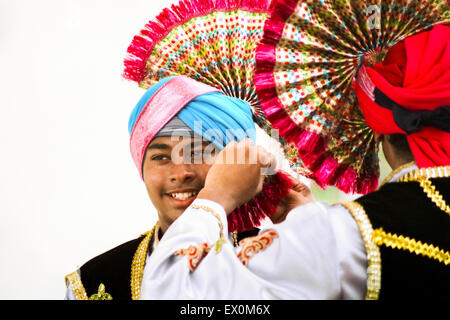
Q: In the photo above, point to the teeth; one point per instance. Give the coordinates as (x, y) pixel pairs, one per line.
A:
(183, 195)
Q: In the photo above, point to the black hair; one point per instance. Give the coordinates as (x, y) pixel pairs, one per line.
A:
(401, 146)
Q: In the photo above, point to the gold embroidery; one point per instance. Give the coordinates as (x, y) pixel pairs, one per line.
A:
(194, 254)
(380, 237)
(434, 194)
(423, 177)
(77, 286)
(101, 294)
(253, 245)
(234, 237)
(137, 266)
(431, 172)
(372, 250)
(218, 244)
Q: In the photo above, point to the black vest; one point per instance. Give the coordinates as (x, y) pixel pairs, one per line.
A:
(403, 208)
(113, 269)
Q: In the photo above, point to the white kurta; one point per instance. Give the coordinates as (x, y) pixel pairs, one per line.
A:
(318, 254)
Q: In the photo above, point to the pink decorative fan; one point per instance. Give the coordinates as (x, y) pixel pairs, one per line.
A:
(306, 64)
(214, 42)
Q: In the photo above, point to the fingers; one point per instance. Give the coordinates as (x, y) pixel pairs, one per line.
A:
(246, 152)
(265, 158)
(260, 186)
(298, 186)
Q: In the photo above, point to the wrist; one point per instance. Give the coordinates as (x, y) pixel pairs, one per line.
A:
(221, 198)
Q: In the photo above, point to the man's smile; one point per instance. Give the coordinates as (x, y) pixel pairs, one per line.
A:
(182, 197)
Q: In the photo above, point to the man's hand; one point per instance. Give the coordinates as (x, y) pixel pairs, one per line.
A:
(299, 195)
(235, 177)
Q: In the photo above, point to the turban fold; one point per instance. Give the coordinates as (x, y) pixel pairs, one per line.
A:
(175, 127)
(409, 93)
(204, 109)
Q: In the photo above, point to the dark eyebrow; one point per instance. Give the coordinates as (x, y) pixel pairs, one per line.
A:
(161, 146)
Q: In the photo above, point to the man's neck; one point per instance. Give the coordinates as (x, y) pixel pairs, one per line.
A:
(393, 157)
(397, 163)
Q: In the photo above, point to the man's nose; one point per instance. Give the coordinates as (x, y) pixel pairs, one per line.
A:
(182, 172)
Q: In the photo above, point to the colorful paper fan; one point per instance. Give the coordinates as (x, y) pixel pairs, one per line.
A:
(214, 42)
(305, 68)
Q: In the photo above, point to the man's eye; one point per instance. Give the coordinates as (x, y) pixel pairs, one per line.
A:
(196, 153)
(159, 157)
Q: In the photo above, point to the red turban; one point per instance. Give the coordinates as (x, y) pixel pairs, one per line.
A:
(415, 78)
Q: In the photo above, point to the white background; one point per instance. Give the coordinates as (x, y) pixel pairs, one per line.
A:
(68, 187)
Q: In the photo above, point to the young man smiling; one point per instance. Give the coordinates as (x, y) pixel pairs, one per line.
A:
(176, 131)
(174, 171)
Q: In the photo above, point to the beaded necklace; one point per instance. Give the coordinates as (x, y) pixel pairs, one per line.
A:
(137, 266)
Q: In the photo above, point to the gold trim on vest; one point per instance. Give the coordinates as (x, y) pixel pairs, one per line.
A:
(77, 286)
(422, 176)
(380, 237)
(372, 250)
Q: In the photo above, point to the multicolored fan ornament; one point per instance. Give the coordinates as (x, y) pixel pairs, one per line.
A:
(214, 42)
(305, 70)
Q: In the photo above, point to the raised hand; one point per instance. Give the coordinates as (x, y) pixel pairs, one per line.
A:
(299, 195)
(237, 174)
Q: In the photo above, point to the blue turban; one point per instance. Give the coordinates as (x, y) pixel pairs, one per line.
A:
(214, 116)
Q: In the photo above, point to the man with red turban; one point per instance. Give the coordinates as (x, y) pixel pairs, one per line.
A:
(406, 101)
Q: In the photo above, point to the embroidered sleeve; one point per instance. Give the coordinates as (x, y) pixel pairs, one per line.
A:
(218, 243)
(194, 254)
(185, 266)
(253, 245)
